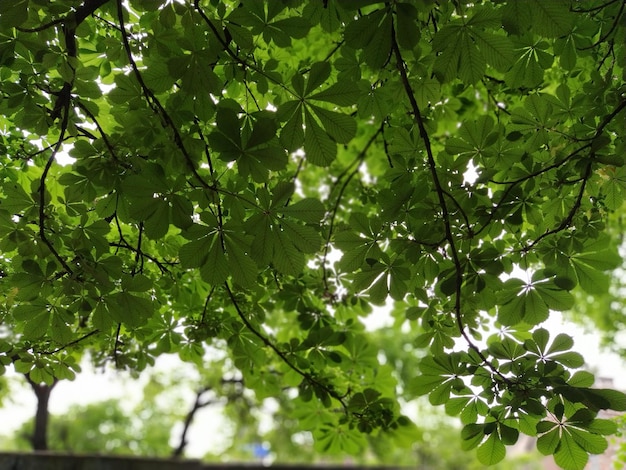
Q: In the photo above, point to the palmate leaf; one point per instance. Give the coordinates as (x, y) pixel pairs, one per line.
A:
(531, 302)
(527, 307)
(258, 162)
(437, 371)
(473, 138)
(461, 58)
(333, 439)
(589, 264)
(356, 250)
(338, 127)
(533, 60)
(558, 350)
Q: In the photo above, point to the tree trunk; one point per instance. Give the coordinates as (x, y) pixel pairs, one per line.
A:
(40, 431)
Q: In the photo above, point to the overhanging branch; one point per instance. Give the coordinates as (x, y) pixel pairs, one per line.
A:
(441, 195)
(305, 375)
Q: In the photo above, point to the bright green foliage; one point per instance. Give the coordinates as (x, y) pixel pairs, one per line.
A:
(463, 160)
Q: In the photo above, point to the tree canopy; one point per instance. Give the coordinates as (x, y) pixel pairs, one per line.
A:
(256, 176)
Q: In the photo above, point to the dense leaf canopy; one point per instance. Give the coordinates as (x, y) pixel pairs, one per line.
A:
(256, 176)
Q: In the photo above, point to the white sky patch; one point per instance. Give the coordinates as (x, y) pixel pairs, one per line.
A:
(471, 175)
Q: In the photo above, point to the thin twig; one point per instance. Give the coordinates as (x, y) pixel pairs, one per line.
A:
(567, 222)
(42, 194)
(233, 55)
(154, 102)
(609, 32)
(305, 375)
(104, 136)
(71, 343)
(357, 161)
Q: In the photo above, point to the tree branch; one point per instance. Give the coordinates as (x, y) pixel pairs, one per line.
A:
(197, 405)
(42, 194)
(155, 104)
(71, 343)
(441, 195)
(305, 375)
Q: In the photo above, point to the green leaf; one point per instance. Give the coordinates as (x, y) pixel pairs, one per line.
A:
(287, 258)
(295, 27)
(344, 93)
(304, 238)
(320, 150)
(497, 49)
(36, 319)
(241, 265)
(319, 73)
(292, 132)
(602, 426)
(16, 199)
(130, 309)
(589, 442)
(561, 342)
(581, 378)
(309, 210)
(340, 127)
(378, 50)
(569, 455)
(616, 400)
(14, 13)
(551, 19)
(472, 435)
(569, 359)
(491, 451)
(549, 442)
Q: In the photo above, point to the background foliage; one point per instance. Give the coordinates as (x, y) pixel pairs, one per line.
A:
(256, 176)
